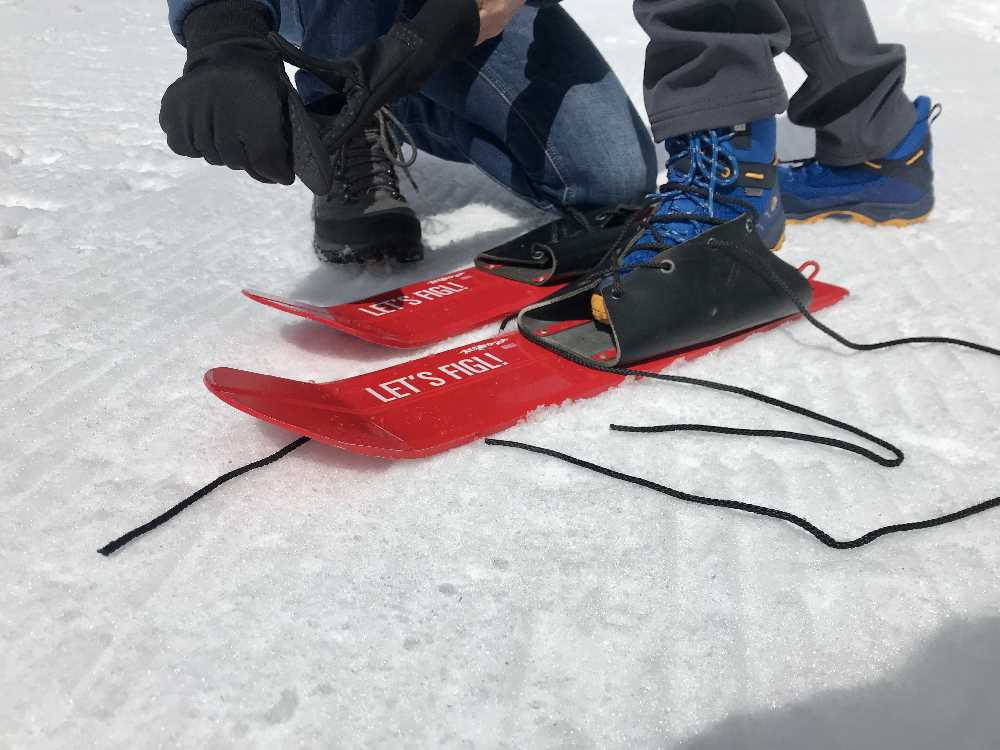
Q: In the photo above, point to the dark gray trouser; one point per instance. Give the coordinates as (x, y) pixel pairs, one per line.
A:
(710, 63)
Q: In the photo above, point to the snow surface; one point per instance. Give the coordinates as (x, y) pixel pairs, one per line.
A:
(480, 599)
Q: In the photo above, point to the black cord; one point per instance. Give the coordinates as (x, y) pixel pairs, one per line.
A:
(760, 510)
(741, 254)
(112, 547)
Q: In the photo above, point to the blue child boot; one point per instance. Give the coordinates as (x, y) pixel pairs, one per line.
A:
(713, 176)
(897, 190)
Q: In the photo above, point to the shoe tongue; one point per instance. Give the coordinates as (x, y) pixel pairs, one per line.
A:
(366, 163)
(752, 143)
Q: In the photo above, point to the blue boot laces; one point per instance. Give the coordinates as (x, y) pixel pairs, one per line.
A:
(688, 204)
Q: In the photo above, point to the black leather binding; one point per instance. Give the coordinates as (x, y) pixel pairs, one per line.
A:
(711, 287)
(557, 251)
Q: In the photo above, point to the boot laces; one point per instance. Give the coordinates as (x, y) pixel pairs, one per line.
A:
(691, 195)
(367, 164)
(699, 165)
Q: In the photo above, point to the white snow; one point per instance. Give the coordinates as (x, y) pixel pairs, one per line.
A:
(483, 598)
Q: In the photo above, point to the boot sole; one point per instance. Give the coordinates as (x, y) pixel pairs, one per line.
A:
(399, 249)
(872, 214)
(859, 218)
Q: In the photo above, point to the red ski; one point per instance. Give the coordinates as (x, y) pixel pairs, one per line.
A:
(505, 279)
(432, 404)
(423, 313)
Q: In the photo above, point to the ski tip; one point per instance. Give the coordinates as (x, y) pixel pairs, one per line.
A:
(271, 299)
(257, 296)
(295, 307)
(228, 380)
(217, 377)
(229, 383)
(309, 409)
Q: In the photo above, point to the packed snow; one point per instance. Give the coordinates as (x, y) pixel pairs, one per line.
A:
(482, 598)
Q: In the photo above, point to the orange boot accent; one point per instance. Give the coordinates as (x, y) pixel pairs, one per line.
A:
(861, 219)
(598, 308)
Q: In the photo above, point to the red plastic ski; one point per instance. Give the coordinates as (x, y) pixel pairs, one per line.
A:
(432, 404)
(423, 313)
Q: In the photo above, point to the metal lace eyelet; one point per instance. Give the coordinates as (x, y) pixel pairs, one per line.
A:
(537, 254)
(602, 217)
(617, 294)
(749, 225)
(667, 266)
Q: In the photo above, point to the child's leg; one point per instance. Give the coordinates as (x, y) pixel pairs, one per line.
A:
(712, 93)
(854, 94)
(873, 144)
(711, 64)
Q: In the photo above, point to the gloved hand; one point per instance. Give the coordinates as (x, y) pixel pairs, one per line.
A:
(235, 106)
(396, 64)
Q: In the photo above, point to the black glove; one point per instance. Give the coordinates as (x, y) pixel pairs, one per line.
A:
(396, 64)
(235, 106)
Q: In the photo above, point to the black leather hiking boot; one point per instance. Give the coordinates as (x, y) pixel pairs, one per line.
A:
(365, 218)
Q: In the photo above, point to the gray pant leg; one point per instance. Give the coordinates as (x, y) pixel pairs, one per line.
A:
(710, 63)
(854, 94)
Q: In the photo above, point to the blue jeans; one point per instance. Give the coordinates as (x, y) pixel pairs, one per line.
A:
(538, 108)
